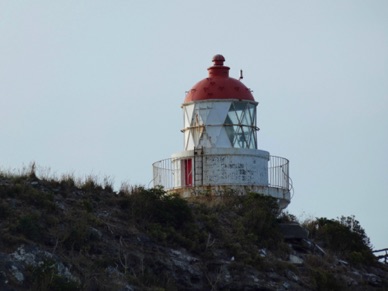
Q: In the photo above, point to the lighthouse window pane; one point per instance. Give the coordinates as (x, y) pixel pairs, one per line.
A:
(241, 136)
(249, 134)
(240, 110)
(237, 136)
(254, 140)
(241, 113)
(240, 125)
(251, 111)
(239, 106)
(232, 117)
(246, 120)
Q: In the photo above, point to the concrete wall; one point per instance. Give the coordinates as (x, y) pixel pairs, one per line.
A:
(222, 166)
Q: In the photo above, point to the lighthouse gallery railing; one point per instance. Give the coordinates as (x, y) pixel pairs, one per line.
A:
(164, 172)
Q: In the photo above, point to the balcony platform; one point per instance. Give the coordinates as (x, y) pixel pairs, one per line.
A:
(175, 175)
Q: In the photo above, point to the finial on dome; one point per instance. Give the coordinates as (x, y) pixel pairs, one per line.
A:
(218, 60)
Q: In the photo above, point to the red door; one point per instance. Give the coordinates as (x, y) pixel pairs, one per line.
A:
(188, 172)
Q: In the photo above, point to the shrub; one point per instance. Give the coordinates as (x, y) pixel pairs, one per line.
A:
(326, 281)
(67, 183)
(87, 205)
(259, 218)
(29, 226)
(5, 210)
(41, 199)
(344, 237)
(286, 217)
(77, 236)
(46, 277)
(154, 205)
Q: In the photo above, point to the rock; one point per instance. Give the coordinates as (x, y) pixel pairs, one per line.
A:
(27, 257)
(60, 205)
(291, 276)
(17, 274)
(286, 285)
(95, 233)
(293, 231)
(184, 268)
(274, 276)
(263, 253)
(295, 260)
(373, 279)
(342, 262)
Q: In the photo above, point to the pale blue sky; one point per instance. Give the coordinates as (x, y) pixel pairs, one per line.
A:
(95, 87)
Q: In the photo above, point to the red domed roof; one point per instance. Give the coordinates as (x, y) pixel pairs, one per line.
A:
(219, 85)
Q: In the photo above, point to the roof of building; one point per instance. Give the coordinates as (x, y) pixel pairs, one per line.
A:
(218, 85)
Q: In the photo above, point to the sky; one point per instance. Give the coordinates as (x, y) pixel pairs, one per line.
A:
(95, 87)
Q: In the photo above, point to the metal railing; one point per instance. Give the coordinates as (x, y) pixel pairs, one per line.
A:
(165, 173)
(278, 173)
(381, 255)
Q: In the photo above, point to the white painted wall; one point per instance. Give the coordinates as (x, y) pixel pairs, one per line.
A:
(223, 166)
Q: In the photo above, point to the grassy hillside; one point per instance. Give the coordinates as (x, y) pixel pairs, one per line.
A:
(59, 234)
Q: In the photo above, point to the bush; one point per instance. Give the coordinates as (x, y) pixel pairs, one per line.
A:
(77, 236)
(5, 210)
(344, 237)
(45, 277)
(29, 226)
(154, 205)
(325, 281)
(259, 214)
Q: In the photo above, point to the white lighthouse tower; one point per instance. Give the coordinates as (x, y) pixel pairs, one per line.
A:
(220, 144)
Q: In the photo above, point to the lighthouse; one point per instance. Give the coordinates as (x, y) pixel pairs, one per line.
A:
(220, 150)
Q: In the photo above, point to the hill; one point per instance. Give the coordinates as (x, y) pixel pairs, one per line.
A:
(57, 234)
